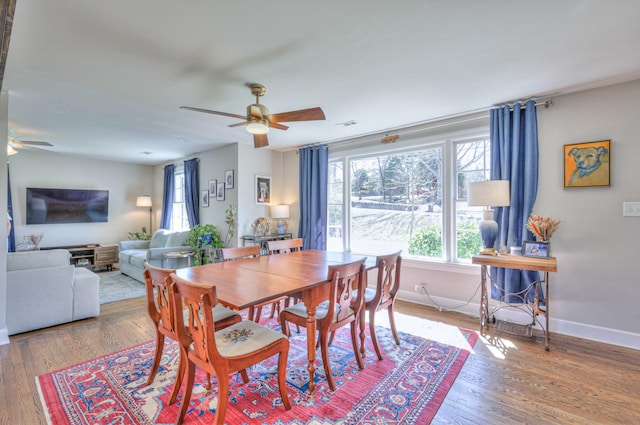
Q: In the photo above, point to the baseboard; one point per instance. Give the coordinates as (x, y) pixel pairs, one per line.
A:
(4, 336)
(563, 327)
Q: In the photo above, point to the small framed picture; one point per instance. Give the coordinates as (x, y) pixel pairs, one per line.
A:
(535, 249)
(587, 164)
(213, 184)
(228, 179)
(220, 193)
(263, 190)
(204, 198)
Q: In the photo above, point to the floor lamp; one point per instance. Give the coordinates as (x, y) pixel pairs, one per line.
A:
(487, 194)
(145, 201)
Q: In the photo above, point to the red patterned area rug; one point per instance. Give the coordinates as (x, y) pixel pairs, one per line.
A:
(407, 387)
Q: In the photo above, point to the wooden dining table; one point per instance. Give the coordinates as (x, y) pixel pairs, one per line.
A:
(303, 274)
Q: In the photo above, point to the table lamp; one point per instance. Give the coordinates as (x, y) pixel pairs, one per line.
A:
(145, 201)
(487, 194)
(280, 212)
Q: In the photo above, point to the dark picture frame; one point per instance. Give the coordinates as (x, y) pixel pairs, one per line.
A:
(587, 164)
(220, 191)
(228, 179)
(213, 185)
(535, 249)
(262, 189)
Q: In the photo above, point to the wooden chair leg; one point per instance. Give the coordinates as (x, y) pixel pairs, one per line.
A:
(157, 355)
(223, 398)
(324, 349)
(182, 365)
(354, 342)
(282, 377)
(372, 331)
(191, 373)
(245, 377)
(257, 315)
(392, 322)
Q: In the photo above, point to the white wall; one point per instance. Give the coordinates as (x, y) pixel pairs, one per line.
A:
(595, 292)
(124, 181)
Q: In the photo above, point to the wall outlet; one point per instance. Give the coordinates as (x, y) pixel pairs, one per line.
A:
(419, 287)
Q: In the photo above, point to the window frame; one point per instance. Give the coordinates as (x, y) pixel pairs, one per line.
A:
(448, 142)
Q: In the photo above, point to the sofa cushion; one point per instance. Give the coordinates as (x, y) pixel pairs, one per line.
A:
(138, 261)
(128, 254)
(27, 260)
(177, 239)
(160, 238)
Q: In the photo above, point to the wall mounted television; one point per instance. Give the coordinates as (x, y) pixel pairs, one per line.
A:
(52, 206)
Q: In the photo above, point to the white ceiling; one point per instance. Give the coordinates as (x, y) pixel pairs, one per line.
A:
(106, 78)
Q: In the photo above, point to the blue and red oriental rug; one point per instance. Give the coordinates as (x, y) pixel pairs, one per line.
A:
(407, 387)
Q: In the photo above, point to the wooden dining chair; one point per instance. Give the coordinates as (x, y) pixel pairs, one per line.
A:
(284, 246)
(161, 312)
(342, 308)
(222, 352)
(383, 296)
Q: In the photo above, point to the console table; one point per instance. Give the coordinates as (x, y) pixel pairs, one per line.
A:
(541, 265)
(91, 255)
(263, 239)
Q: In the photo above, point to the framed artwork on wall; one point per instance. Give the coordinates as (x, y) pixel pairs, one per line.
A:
(213, 184)
(220, 195)
(228, 179)
(587, 164)
(204, 198)
(262, 190)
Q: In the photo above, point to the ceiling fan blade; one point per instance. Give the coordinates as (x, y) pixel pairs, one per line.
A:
(207, 111)
(278, 126)
(310, 114)
(238, 124)
(35, 143)
(260, 140)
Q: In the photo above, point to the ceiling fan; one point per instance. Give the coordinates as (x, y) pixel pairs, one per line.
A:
(13, 145)
(258, 120)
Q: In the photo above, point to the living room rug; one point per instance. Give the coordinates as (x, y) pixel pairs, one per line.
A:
(115, 286)
(407, 387)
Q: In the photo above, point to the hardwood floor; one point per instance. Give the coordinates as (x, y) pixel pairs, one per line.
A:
(507, 380)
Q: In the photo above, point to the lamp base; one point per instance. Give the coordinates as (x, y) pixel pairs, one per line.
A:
(280, 230)
(488, 251)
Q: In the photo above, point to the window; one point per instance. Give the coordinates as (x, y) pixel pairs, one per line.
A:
(179, 219)
(412, 199)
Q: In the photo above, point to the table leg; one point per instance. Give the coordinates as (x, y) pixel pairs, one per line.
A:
(546, 311)
(311, 345)
(484, 299)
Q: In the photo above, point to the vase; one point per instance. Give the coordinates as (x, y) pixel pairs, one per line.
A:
(26, 245)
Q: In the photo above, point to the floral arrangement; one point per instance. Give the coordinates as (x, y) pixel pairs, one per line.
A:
(542, 227)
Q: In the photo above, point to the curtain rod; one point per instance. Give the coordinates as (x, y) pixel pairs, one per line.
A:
(436, 123)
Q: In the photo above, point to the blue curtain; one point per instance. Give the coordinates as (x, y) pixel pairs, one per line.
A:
(191, 188)
(167, 196)
(514, 157)
(11, 241)
(314, 185)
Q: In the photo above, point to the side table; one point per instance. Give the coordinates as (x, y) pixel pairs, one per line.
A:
(176, 259)
(542, 265)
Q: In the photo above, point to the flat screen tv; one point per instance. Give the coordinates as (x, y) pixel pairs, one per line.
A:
(51, 206)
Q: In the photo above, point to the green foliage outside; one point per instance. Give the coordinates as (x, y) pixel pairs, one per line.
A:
(204, 239)
(428, 241)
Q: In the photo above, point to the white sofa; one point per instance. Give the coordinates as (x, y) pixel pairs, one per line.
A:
(133, 254)
(44, 289)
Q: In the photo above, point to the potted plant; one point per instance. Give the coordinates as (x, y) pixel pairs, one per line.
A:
(140, 236)
(205, 240)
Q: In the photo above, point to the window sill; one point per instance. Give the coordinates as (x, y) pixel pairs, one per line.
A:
(460, 268)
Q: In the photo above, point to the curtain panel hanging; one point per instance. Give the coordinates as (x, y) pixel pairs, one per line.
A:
(314, 184)
(167, 196)
(514, 157)
(191, 188)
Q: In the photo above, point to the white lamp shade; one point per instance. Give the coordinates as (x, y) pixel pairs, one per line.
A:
(489, 193)
(143, 201)
(280, 211)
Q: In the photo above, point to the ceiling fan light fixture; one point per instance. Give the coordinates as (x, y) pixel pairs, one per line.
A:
(258, 126)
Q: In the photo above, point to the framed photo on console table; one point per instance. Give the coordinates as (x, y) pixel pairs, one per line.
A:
(535, 249)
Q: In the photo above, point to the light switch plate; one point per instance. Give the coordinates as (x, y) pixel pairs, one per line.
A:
(631, 209)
